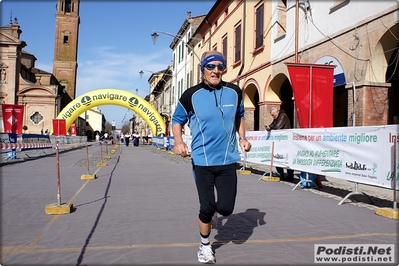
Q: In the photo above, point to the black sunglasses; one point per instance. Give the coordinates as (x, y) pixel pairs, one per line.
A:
(221, 67)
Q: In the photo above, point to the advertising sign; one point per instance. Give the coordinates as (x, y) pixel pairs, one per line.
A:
(7, 139)
(114, 97)
(358, 154)
(13, 116)
(73, 129)
(40, 141)
(339, 75)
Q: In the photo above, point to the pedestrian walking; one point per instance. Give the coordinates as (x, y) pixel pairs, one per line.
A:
(136, 138)
(127, 139)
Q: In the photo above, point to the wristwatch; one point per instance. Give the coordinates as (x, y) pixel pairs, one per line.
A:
(241, 138)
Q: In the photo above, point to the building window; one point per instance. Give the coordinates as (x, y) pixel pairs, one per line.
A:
(178, 56)
(188, 81)
(237, 43)
(173, 94)
(224, 47)
(188, 39)
(337, 5)
(181, 87)
(215, 47)
(68, 6)
(65, 39)
(36, 118)
(281, 18)
(179, 53)
(178, 89)
(259, 26)
(182, 50)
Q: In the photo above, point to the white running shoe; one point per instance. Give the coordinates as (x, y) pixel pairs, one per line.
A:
(205, 254)
(214, 220)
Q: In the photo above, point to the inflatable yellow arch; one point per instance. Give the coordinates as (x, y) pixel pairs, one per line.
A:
(114, 97)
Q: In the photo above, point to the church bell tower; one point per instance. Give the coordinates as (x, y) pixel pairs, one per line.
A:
(66, 47)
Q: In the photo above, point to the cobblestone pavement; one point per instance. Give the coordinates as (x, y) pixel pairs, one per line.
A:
(332, 187)
(103, 154)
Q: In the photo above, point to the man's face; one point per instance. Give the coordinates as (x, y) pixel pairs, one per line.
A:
(274, 114)
(213, 76)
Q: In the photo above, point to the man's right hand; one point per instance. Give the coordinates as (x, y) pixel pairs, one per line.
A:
(181, 149)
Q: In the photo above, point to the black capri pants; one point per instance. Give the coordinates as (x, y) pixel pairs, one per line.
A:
(224, 179)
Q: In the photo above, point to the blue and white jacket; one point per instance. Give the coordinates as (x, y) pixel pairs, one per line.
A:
(212, 115)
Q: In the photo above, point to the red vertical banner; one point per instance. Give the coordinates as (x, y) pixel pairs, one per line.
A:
(13, 116)
(322, 96)
(73, 129)
(313, 90)
(167, 128)
(300, 80)
(59, 127)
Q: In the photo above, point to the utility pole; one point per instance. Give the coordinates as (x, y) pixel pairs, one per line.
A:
(296, 29)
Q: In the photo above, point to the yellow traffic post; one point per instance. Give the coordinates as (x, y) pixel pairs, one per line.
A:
(88, 175)
(102, 163)
(58, 208)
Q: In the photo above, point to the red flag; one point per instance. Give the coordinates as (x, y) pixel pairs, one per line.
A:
(73, 129)
(13, 116)
(59, 127)
(313, 89)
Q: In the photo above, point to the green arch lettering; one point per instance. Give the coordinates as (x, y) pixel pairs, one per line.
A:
(114, 97)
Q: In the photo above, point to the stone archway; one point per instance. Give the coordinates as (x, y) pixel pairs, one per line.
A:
(279, 93)
(251, 105)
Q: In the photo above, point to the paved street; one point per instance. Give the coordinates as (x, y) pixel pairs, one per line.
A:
(142, 209)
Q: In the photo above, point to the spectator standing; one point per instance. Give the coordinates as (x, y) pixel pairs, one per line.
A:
(280, 121)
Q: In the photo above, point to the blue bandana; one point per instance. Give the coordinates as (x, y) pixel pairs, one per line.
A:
(213, 57)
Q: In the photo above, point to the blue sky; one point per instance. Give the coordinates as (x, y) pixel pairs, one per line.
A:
(114, 41)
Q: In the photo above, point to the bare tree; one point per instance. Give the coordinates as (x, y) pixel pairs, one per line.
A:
(126, 128)
(108, 127)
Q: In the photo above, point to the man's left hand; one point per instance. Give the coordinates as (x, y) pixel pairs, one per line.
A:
(245, 145)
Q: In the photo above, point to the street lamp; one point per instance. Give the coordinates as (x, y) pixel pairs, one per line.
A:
(161, 90)
(155, 36)
(141, 76)
(142, 73)
(155, 73)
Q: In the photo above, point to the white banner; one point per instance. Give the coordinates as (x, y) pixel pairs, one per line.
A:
(358, 154)
(6, 140)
